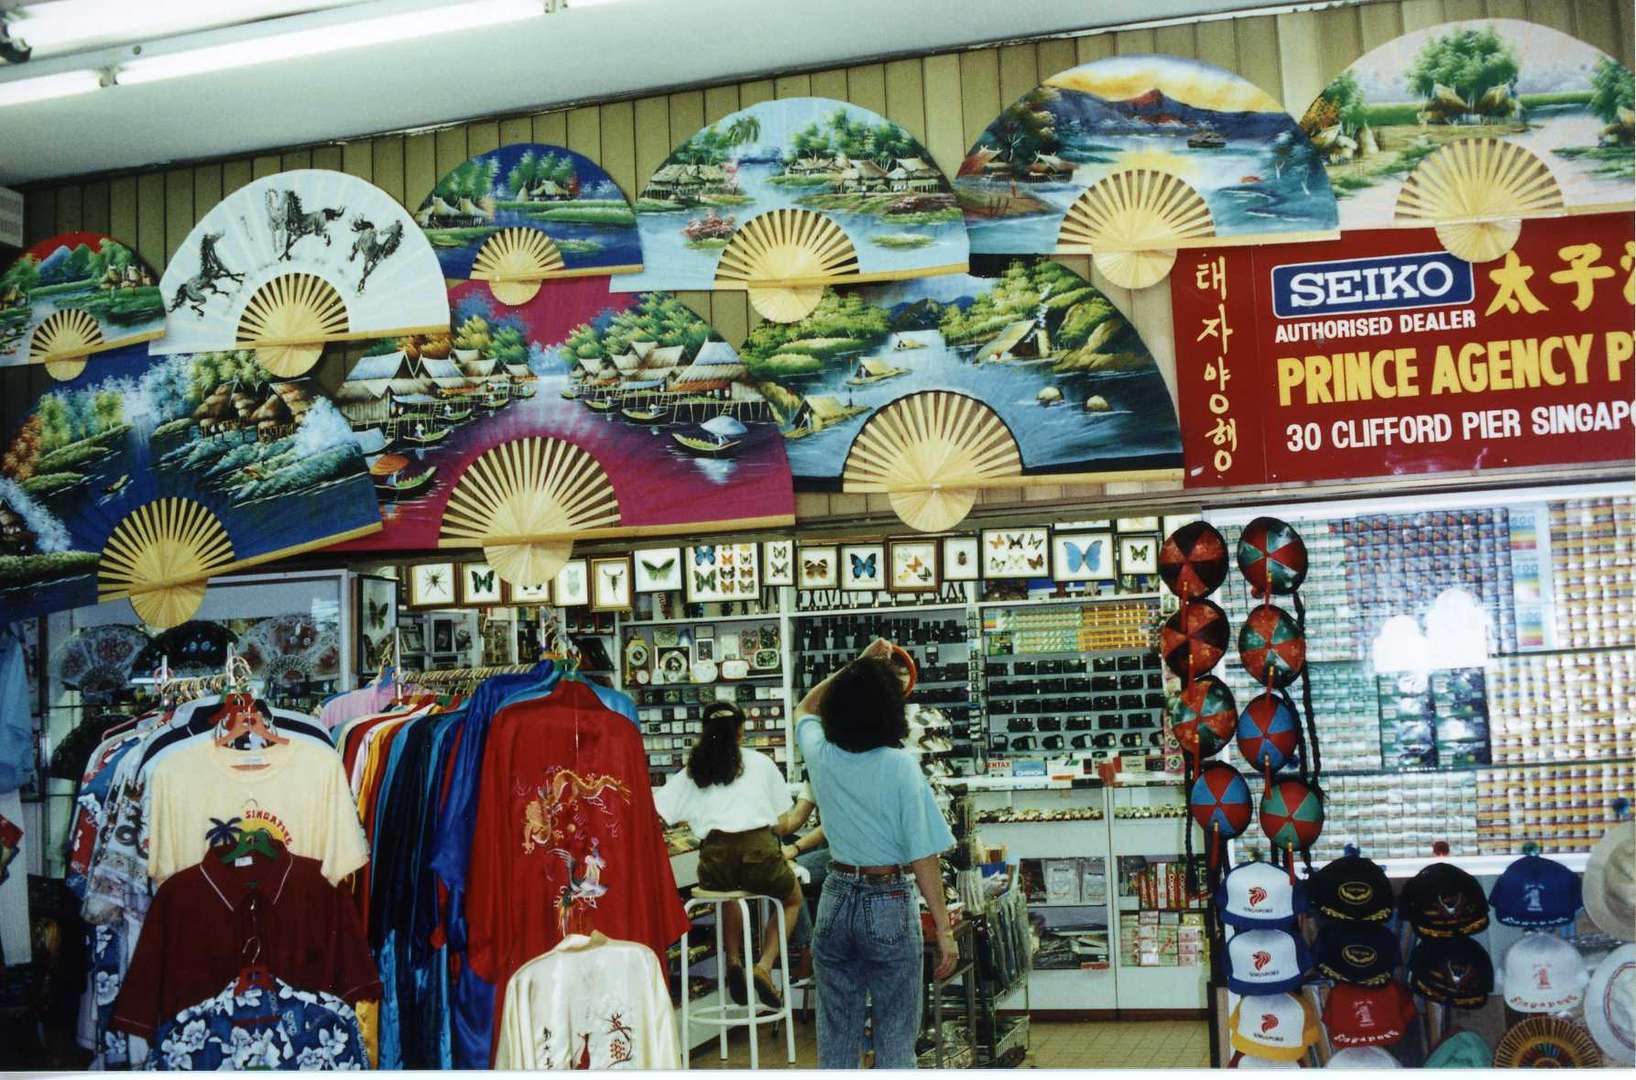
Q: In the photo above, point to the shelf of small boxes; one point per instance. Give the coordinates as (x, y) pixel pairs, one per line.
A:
(1562, 808)
(1593, 587)
(1558, 707)
(1332, 625)
(1399, 815)
(1166, 927)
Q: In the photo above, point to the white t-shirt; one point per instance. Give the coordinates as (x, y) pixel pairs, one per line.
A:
(757, 798)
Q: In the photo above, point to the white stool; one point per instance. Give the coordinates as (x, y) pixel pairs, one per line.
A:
(724, 1014)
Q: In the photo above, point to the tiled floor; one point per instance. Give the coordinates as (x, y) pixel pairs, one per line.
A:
(1150, 1044)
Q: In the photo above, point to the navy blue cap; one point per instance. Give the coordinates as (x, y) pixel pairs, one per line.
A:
(1536, 892)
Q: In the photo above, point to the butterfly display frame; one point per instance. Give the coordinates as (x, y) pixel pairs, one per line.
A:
(1144, 523)
(818, 566)
(962, 559)
(1082, 556)
(611, 579)
(721, 573)
(432, 585)
(375, 594)
(862, 567)
(531, 594)
(657, 569)
(480, 585)
(1139, 553)
(572, 585)
(778, 562)
(914, 565)
(1016, 553)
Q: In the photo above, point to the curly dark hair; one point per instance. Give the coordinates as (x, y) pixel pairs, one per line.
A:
(863, 708)
(715, 758)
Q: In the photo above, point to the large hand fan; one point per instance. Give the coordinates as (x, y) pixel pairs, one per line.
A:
(788, 196)
(1130, 158)
(294, 260)
(1472, 127)
(143, 478)
(72, 296)
(527, 213)
(578, 414)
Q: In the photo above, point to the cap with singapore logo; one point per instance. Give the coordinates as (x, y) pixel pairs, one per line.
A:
(1277, 1026)
(1258, 895)
(1266, 962)
(1536, 892)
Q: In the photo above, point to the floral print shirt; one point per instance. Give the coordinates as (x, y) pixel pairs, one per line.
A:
(270, 1025)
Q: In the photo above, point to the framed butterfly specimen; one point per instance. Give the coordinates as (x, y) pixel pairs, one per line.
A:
(1016, 553)
(611, 584)
(658, 569)
(377, 620)
(962, 558)
(1082, 556)
(432, 585)
(572, 587)
(1137, 524)
(818, 566)
(480, 585)
(863, 567)
(778, 562)
(531, 594)
(717, 573)
(1139, 554)
(914, 565)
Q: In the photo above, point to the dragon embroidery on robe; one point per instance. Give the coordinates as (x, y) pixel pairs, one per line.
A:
(559, 801)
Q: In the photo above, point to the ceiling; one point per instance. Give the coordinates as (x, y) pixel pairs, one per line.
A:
(609, 50)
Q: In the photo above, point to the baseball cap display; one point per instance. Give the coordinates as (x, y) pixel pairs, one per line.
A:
(1451, 971)
(1547, 1042)
(1351, 887)
(1265, 962)
(1610, 1005)
(1361, 953)
(1258, 894)
(1444, 900)
(1362, 1057)
(1535, 892)
(1610, 882)
(1367, 1015)
(1461, 1050)
(1277, 1026)
(1543, 974)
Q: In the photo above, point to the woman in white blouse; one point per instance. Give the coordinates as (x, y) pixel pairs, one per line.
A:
(733, 799)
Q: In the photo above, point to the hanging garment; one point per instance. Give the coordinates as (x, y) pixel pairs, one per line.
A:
(261, 1027)
(367, 699)
(16, 717)
(15, 947)
(589, 1003)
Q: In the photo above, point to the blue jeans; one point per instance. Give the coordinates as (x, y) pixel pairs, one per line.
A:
(867, 942)
(815, 862)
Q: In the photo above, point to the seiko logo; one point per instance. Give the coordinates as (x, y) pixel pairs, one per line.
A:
(1355, 892)
(1361, 955)
(1422, 279)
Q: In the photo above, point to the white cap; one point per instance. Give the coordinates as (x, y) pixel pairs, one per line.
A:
(1362, 1057)
(1258, 894)
(1543, 974)
(1279, 1026)
(1610, 1006)
(1265, 962)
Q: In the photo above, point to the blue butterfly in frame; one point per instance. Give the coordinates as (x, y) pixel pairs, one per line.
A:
(864, 569)
(704, 556)
(1084, 557)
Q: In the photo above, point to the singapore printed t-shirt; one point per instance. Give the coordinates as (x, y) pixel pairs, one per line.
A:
(878, 808)
(300, 796)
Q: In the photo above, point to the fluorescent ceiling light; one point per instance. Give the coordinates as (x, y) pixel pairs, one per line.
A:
(63, 26)
(45, 87)
(335, 37)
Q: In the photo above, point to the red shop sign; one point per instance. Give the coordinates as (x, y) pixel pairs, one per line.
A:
(1381, 354)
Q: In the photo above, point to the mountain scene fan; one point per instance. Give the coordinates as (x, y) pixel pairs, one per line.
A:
(622, 412)
(785, 197)
(145, 476)
(1130, 158)
(73, 296)
(294, 260)
(1472, 127)
(526, 213)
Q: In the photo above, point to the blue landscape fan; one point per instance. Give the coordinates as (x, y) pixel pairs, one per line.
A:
(72, 296)
(1130, 158)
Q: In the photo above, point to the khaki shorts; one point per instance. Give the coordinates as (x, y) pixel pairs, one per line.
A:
(751, 861)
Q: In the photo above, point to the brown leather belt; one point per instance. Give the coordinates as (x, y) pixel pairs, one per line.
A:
(883, 873)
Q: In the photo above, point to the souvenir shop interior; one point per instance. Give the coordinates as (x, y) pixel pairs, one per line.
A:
(1059, 541)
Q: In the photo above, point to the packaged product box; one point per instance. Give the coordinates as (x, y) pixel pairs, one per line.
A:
(1093, 881)
(1061, 881)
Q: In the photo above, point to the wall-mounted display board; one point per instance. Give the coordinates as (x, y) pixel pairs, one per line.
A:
(294, 260)
(145, 476)
(526, 213)
(1382, 354)
(74, 295)
(579, 413)
(1129, 158)
(1473, 127)
(785, 197)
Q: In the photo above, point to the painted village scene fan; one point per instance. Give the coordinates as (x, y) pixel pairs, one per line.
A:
(1472, 126)
(786, 196)
(1136, 155)
(72, 296)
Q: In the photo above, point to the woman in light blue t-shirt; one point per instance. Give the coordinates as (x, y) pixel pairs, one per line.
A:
(885, 834)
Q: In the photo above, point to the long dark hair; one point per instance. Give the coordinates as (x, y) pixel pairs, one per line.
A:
(715, 757)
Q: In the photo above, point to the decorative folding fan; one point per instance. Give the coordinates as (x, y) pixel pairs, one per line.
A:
(527, 213)
(788, 196)
(294, 260)
(1547, 1042)
(1130, 158)
(144, 478)
(72, 296)
(1029, 376)
(1472, 127)
(577, 414)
